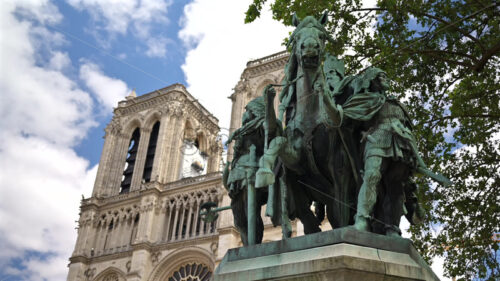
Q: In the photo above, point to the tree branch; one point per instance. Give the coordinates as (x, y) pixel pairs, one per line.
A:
(452, 24)
(486, 56)
(449, 117)
(444, 52)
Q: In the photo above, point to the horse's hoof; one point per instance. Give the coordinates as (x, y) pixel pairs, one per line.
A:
(264, 177)
(361, 224)
(392, 233)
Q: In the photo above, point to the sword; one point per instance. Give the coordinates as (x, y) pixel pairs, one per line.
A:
(437, 177)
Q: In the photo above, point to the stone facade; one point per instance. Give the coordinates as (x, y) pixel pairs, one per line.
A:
(161, 160)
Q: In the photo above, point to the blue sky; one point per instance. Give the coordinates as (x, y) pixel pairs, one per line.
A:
(64, 66)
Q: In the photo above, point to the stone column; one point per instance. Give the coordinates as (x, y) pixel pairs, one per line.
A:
(181, 222)
(177, 207)
(168, 221)
(86, 242)
(140, 159)
(104, 168)
(175, 159)
(188, 228)
(160, 154)
(196, 218)
(204, 225)
(116, 235)
(76, 271)
(84, 234)
(127, 232)
(146, 220)
(99, 250)
(167, 147)
(118, 164)
(140, 265)
(95, 237)
(158, 224)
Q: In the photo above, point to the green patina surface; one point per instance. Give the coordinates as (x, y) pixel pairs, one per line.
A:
(342, 143)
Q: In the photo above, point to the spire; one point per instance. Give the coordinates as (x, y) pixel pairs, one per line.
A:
(132, 95)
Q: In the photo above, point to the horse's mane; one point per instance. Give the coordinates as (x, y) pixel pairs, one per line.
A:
(308, 21)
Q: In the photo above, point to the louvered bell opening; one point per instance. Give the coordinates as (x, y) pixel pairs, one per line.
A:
(150, 155)
(130, 161)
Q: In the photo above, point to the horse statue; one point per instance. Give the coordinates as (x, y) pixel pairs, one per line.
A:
(313, 142)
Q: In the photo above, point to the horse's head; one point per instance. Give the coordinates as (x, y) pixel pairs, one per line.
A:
(308, 40)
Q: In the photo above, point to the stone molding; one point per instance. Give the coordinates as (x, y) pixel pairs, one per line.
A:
(267, 64)
(174, 99)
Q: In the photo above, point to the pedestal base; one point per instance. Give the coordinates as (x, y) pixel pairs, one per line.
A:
(341, 254)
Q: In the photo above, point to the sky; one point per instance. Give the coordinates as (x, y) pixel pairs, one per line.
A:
(64, 65)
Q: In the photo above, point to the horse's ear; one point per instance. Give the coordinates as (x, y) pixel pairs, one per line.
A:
(324, 18)
(295, 20)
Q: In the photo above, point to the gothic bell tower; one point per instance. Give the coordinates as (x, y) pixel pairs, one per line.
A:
(160, 161)
(144, 141)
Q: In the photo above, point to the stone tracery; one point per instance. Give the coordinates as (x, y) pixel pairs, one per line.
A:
(191, 272)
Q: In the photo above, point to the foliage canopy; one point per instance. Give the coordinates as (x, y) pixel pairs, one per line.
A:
(444, 60)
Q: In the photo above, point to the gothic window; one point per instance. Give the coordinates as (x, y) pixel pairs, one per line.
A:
(191, 272)
(130, 162)
(150, 156)
(182, 221)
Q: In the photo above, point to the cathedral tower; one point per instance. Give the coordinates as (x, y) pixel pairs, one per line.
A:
(160, 161)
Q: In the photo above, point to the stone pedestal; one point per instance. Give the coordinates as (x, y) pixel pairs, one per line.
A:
(340, 254)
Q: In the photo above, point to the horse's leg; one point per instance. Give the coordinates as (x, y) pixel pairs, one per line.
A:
(299, 204)
(308, 219)
(259, 225)
(238, 206)
(286, 227)
(304, 213)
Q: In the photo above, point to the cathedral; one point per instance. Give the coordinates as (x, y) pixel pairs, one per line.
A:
(162, 158)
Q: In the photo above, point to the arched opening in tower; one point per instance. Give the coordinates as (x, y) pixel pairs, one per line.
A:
(150, 155)
(130, 162)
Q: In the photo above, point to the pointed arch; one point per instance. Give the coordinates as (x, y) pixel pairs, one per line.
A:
(180, 258)
(263, 81)
(111, 274)
(189, 130)
(151, 119)
(130, 126)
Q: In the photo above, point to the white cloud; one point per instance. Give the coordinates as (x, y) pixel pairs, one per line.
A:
(37, 101)
(220, 45)
(120, 17)
(42, 11)
(43, 115)
(59, 61)
(108, 91)
(157, 47)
